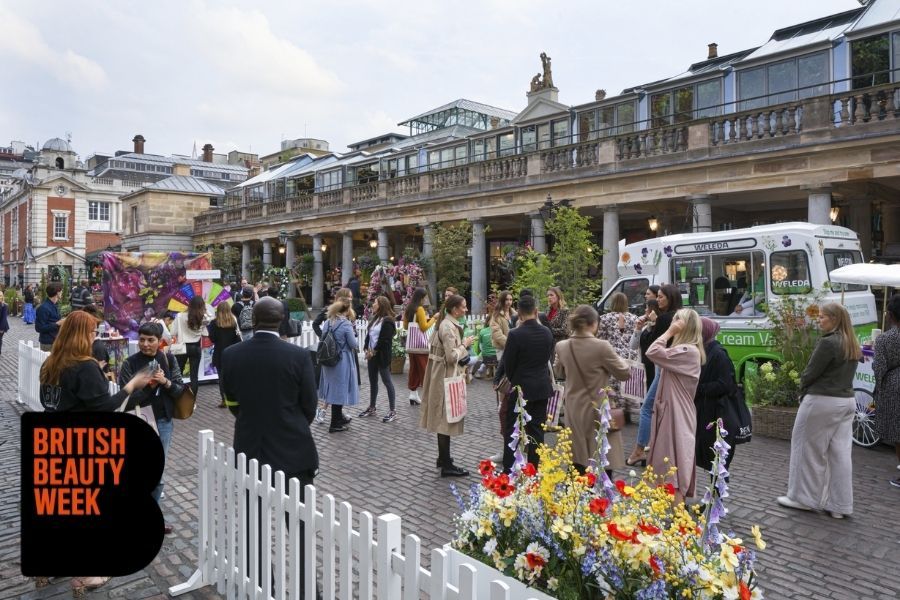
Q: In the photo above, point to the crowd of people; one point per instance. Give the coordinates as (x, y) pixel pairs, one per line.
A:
(278, 390)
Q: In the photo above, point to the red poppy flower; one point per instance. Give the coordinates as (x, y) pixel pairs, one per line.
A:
(656, 565)
(744, 591)
(670, 489)
(649, 529)
(737, 549)
(529, 470)
(486, 467)
(502, 487)
(620, 485)
(619, 534)
(488, 481)
(598, 506)
(534, 560)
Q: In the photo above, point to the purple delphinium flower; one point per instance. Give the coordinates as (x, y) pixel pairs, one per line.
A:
(718, 487)
(600, 462)
(638, 268)
(785, 241)
(519, 438)
(668, 251)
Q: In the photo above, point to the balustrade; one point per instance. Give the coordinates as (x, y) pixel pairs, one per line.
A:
(777, 121)
(253, 212)
(332, 198)
(363, 193)
(301, 203)
(403, 186)
(652, 142)
(278, 207)
(216, 218)
(852, 108)
(449, 178)
(511, 167)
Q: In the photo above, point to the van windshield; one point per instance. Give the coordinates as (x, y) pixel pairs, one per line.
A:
(841, 258)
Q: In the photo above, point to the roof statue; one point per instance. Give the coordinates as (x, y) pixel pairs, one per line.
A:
(599, 95)
(543, 80)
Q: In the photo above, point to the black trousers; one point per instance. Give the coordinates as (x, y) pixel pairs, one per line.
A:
(193, 359)
(537, 409)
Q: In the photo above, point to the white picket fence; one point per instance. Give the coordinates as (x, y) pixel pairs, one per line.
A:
(372, 561)
(31, 357)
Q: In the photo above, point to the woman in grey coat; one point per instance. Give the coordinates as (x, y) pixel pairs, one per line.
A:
(339, 385)
(821, 470)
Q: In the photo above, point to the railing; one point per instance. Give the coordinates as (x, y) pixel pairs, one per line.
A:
(652, 142)
(257, 531)
(235, 215)
(777, 121)
(103, 181)
(333, 198)
(279, 207)
(253, 212)
(31, 358)
(863, 106)
(363, 193)
(450, 178)
(301, 202)
(499, 169)
(403, 186)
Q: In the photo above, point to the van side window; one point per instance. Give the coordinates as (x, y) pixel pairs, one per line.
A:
(692, 277)
(634, 290)
(738, 284)
(789, 273)
(841, 258)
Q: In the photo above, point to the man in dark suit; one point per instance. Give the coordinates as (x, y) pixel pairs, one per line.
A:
(529, 348)
(270, 387)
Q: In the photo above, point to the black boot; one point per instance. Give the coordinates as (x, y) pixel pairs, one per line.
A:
(448, 469)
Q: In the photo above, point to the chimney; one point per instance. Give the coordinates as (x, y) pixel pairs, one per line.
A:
(207, 153)
(181, 170)
(713, 51)
(253, 172)
(138, 144)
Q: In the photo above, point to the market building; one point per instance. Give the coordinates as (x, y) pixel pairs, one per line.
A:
(803, 127)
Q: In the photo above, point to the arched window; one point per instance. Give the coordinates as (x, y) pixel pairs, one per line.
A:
(60, 163)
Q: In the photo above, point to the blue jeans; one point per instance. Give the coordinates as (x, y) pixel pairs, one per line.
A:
(165, 428)
(643, 436)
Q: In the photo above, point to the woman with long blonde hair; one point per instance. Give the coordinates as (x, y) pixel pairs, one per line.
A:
(673, 429)
(223, 332)
(820, 475)
(339, 384)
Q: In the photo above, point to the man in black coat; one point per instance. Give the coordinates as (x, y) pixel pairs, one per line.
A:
(270, 387)
(529, 348)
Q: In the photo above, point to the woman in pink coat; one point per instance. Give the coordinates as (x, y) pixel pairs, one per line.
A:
(672, 434)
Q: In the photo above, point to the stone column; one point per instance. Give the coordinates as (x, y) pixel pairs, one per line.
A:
(267, 254)
(890, 224)
(346, 258)
(819, 205)
(610, 246)
(428, 253)
(479, 266)
(701, 209)
(318, 282)
(289, 257)
(399, 246)
(383, 249)
(245, 260)
(861, 222)
(538, 239)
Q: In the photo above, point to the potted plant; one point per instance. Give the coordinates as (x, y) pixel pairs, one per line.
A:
(398, 353)
(297, 307)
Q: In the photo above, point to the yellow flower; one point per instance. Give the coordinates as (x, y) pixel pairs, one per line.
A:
(508, 515)
(757, 537)
(562, 529)
(728, 558)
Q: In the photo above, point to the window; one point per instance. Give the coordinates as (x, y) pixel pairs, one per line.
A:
(738, 286)
(634, 290)
(529, 139)
(784, 81)
(870, 61)
(98, 211)
(660, 109)
(841, 258)
(691, 276)
(686, 103)
(60, 225)
(507, 144)
(587, 126)
(789, 273)
(560, 132)
(135, 219)
(330, 180)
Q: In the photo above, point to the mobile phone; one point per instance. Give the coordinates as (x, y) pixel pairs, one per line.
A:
(152, 366)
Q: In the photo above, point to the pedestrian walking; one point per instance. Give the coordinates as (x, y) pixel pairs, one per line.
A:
(557, 314)
(28, 311)
(339, 384)
(47, 318)
(81, 296)
(716, 390)
(4, 320)
(189, 327)
(887, 381)
(616, 327)
(243, 312)
(379, 343)
(820, 475)
(347, 294)
(71, 381)
(417, 343)
(160, 393)
(669, 300)
(448, 347)
(270, 388)
(223, 332)
(672, 435)
(526, 362)
(586, 362)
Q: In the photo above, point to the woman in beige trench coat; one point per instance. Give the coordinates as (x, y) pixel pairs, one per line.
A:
(586, 362)
(448, 347)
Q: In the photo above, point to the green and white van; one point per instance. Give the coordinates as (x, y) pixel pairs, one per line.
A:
(727, 275)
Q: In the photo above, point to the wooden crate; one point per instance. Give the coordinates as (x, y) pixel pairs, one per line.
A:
(774, 421)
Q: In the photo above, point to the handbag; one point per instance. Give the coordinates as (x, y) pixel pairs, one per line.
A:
(736, 417)
(183, 405)
(455, 398)
(416, 339)
(145, 414)
(503, 387)
(616, 415)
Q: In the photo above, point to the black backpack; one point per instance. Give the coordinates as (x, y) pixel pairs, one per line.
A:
(328, 353)
(245, 320)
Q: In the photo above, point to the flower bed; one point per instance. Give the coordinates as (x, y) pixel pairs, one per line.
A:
(584, 536)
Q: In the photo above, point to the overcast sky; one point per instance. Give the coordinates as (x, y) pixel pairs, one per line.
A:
(245, 77)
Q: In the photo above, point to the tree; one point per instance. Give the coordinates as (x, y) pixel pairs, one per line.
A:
(533, 272)
(573, 255)
(451, 256)
(228, 260)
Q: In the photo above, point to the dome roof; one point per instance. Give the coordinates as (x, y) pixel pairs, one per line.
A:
(57, 144)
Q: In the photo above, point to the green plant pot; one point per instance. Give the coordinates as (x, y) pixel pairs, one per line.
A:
(298, 315)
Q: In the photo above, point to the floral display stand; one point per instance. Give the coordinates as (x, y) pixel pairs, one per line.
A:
(485, 574)
(774, 421)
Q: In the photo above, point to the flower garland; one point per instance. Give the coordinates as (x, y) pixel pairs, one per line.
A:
(384, 277)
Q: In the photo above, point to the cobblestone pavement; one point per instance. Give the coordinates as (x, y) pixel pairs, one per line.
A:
(390, 468)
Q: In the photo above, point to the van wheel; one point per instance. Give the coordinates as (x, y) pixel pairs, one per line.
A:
(864, 432)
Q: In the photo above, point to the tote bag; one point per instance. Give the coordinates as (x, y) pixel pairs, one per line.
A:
(416, 339)
(455, 398)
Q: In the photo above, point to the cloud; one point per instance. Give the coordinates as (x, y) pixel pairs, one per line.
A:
(241, 45)
(21, 39)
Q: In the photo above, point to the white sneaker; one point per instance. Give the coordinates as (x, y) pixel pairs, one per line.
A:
(788, 502)
(835, 515)
(320, 415)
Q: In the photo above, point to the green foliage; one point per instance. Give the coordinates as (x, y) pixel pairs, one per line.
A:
(296, 305)
(773, 384)
(303, 267)
(533, 272)
(573, 255)
(10, 296)
(256, 269)
(451, 258)
(367, 261)
(228, 260)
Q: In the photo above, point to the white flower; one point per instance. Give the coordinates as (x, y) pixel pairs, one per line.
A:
(632, 473)
(490, 546)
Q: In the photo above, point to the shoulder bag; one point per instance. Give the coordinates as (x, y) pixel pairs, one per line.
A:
(455, 402)
(736, 417)
(617, 415)
(185, 403)
(177, 347)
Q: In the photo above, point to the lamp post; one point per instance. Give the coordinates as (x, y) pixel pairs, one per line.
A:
(653, 224)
